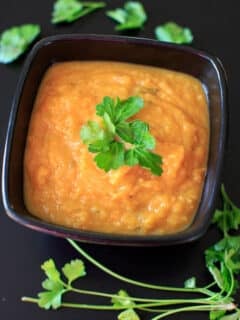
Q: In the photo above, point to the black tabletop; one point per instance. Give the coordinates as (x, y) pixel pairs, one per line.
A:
(214, 24)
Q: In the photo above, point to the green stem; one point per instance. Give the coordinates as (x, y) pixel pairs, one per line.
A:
(162, 302)
(227, 307)
(78, 305)
(164, 313)
(134, 282)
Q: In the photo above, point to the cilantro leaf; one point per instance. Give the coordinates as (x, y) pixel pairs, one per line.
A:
(232, 316)
(107, 106)
(54, 286)
(50, 270)
(149, 160)
(53, 298)
(127, 108)
(95, 137)
(74, 270)
(71, 10)
(216, 315)
(190, 283)
(16, 40)
(141, 135)
(125, 132)
(222, 261)
(121, 300)
(229, 217)
(128, 314)
(131, 157)
(172, 32)
(119, 110)
(111, 159)
(131, 16)
(118, 141)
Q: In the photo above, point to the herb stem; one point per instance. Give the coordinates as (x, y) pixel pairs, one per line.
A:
(162, 302)
(146, 307)
(135, 282)
(217, 307)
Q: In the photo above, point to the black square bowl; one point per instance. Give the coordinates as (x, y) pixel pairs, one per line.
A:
(204, 67)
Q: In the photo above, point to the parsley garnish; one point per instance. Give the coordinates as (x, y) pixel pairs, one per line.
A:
(16, 40)
(118, 141)
(71, 10)
(217, 298)
(131, 16)
(172, 32)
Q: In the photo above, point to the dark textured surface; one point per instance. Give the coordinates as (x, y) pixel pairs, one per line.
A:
(22, 251)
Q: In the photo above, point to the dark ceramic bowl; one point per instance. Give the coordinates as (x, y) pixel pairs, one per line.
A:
(143, 51)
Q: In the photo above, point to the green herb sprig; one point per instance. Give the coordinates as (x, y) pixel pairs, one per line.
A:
(118, 141)
(216, 298)
(16, 40)
(131, 16)
(172, 32)
(71, 10)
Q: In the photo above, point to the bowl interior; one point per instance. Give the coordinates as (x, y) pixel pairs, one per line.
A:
(142, 51)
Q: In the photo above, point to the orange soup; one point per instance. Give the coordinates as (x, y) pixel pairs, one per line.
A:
(62, 183)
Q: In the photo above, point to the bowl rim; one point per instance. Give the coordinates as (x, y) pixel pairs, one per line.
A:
(185, 236)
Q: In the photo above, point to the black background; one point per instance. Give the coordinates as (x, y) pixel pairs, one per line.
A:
(214, 24)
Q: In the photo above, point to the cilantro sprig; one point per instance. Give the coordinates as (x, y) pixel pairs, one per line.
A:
(172, 32)
(118, 141)
(131, 16)
(16, 40)
(216, 298)
(71, 10)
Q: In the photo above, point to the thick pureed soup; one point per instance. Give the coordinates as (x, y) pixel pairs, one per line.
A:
(62, 183)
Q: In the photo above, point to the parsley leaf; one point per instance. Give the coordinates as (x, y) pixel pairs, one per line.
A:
(121, 300)
(119, 110)
(131, 16)
(74, 270)
(16, 40)
(53, 296)
(232, 316)
(128, 314)
(223, 258)
(141, 135)
(71, 10)
(128, 108)
(111, 159)
(216, 315)
(120, 142)
(149, 160)
(50, 270)
(54, 286)
(95, 137)
(229, 217)
(190, 283)
(172, 32)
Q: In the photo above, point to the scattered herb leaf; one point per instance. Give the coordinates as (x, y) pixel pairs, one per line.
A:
(74, 270)
(131, 16)
(52, 297)
(128, 314)
(71, 10)
(53, 285)
(172, 32)
(16, 40)
(111, 159)
(226, 222)
(120, 142)
(118, 300)
(190, 283)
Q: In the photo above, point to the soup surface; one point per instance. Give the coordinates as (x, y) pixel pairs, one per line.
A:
(62, 183)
